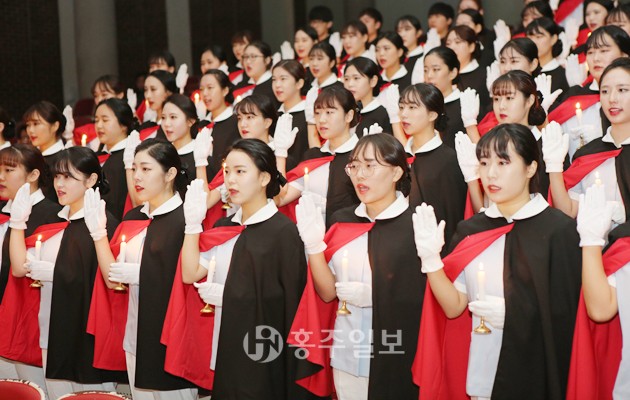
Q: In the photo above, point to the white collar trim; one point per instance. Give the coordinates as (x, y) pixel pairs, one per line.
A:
(534, 206)
(472, 65)
(551, 65)
(35, 198)
(432, 144)
(453, 96)
(301, 106)
(402, 71)
(262, 215)
(168, 206)
(227, 113)
(55, 148)
(394, 210)
(344, 148)
(118, 146)
(374, 104)
(609, 139)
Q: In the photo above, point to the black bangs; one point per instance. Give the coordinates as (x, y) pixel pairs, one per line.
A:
(599, 39)
(503, 86)
(411, 97)
(63, 166)
(497, 143)
(10, 157)
(327, 99)
(247, 107)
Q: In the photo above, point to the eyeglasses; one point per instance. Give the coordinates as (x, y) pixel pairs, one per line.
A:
(250, 57)
(367, 170)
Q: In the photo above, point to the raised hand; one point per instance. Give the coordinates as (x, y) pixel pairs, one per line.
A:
(555, 146)
(429, 238)
(94, 214)
(310, 225)
(195, 207)
(21, 207)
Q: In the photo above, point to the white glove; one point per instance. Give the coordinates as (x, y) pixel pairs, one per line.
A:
(372, 130)
(150, 115)
(503, 36)
(310, 225)
(318, 200)
(356, 293)
(225, 194)
(555, 146)
(94, 214)
(429, 238)
(284, 136)
(469, 103)
(618, 213)
(68, 132)
(195, 207)
(594, 218)
(575, 72)
(492, 73)
(128, 273)
(132, 100)
(585, 132)
(182, 77)
(287, 51)
(554, 4)
(40, 270)
(203, 147)
(433, 41)
(210, 293)
(389, 98)
(467, 157)
(130, 149)
(492, 310)
(571, 32)
(275, 58)
(309, 107)
(202, 111)
(21, 207)
(335, 42)
(543, 84)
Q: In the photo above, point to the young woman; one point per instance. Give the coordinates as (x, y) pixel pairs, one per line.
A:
(354, 38)
(303, 41)
(214, 57)
(595, 14)
(153, 245)
(544, 33)
(239, 41)
(372, 271)
(533, 10)
(255, 276)
(516, 265)
(410, 30)
(519, 54)
(257, 62)
(66, 266)
(7, 129)
(620, 16)
(390, 53)
(158, 86)
(474, 20)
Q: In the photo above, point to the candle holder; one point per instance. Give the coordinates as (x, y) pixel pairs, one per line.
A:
(36, 284)
(227, 205)
(120, 287)
(207, 309)
(482, 329)
(344, 309)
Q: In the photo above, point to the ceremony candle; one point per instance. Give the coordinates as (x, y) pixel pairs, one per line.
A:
(598, 180)
(123, 250)
(196, 98)
(38, 247)
(578, 113)
(83, 140)
(306, 179)
(481, 282)
(344, 267)
(211, 269)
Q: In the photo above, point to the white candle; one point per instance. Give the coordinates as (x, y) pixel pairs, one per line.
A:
(578, 113)
(123, 250)
(196, 98)
(306, 179)
(211, 269)
(38, 248)
(481, 282)
(83, 140)
(344, 267)
(598, 180)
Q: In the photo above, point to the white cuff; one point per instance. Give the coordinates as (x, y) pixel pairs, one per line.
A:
(469, 122)
(319, 248)
(193, 229)
(281, 153)
(553, 167)
(17, 225)
(432, 264)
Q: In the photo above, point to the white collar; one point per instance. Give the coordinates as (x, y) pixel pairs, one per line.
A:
(35, 198)
(534, 206)
(65, 214)
(402, 71)
(118, 146)
(5, 145)
(239, 65)
(329, 81)
(368, 54)
(301, 106)
(392, 211)
(347, 147)
(223, 67)
(55, 148)
(187, 148)
(536, 132)
(432, 144)
(266, 212)
(551, 65)
(227, 113)
(453, 96)
(472, 65)
(168, 206)
(416, 52)
(594, 85)
(374, 104)
(609, 139)
(263, 78)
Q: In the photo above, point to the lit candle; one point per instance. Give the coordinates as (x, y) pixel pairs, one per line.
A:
(196, 98)
(83, 140)
(598, 180)
(578, 113)
(238, 99)
(123, 250)
(344, 267)
(481, 282)
(211, 269)
(38, 247)
(306, 179)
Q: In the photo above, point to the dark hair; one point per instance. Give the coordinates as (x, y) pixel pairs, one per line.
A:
(621, 62)
(449, 57)
(441, 8)
(618, 13)
(30, 158)
(257, 103)
(413, 21)
(607, 4)
(296, 70)
(264, 159)
(467, 34)
(540, 7)
(525, 47)
(320, 13)
(310, 32)
(121, 111)
(476, 16)
(166, 78)
(334, 95)
(162, 55)
(355, 26)
(325, 48)
(524, 83)
(166, 155)
(395, 39)
(618, 35)
(110, 83)
(188, 108)
(497, 140)
(216, 51)
(431, 98)
(242, 37)
(224, 81)
(543, 25)
(372, 13)
(367, 68)
(9, 125)
(49, 113)
(83, 160)
(263, 48)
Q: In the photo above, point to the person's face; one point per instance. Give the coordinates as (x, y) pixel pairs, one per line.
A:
(174, 123)
(436, 73)
(615, 96)
(415, 118)
(462, 48)
(510, 60)
(544, 41)
(467, 5)
(359, 85)
(530, 15)
(108, 129)
(41, 132)
(595, 15)
(387, 54)
(70, 188)
(511, 107)
(372, 25)
(238, 48)
(253, 126)
(212, 94)
(373, 182)
(149, 178)
(302, 44)
(254, 62)
(321, 27)
(209, 61)
(284, 85)
(155, 93)
(320, 65)
(622, 21)
(102, 92)
(466, 20)
(13, 177)
(332, 122)
(599, 58)
(243, 180)
(354, 42)
(160, 64)
(440, 23)
(409, 34)
(503, 180)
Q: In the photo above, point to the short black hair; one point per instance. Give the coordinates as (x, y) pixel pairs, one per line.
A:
(441, 8)
(320, 13)
(162, 55)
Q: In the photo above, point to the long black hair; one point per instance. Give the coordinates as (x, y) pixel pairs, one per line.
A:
(83, 160)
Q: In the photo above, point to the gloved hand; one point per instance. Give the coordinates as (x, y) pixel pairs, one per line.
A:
(356, 293)
(195, 207)
(309, 106)
(492, 73)
(149, 115)
(594, 218)
(285, 134)
(433, 41)
(21, 207)
(467, 157)
(555, 147)
(372, 130)
(201, 109)
(225, 194)
(575, 72)
(128, 273)
(310, 225)
(618, 213)
(203, 147)
(130, 149)
(287, 51)
(429, 238)
(132, 100)
(319, 200)
(389, 99)
(182, 77)
(571, 32)
(40, 270)
(543, 84)
(469, 103)
(335, 42)
(417, 75)
(94, 214)
(492, 309)
(554, 4)
(210, 293)
(68, 133)
(275, 58)
(503, 36)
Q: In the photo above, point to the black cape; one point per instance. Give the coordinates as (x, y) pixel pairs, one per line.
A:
(542, 281)
(376, 116)
(116, 175)
(454, 123)
(265, 89)
(49, 190)
(159, 133)
(404, 81)
(70, 347)
(296, 152)
(188, 164)
(476, 79)
(224, 134)
(397, 295)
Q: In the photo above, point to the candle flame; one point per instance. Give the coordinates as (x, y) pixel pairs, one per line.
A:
(123, 238)
(305, 170)
(481, 266)
(196, 97)
(39, 238)
(577, 106)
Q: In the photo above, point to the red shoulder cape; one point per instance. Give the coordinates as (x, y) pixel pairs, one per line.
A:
(89, 130)
(216, 212)
(566, 8)
(566, 109)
